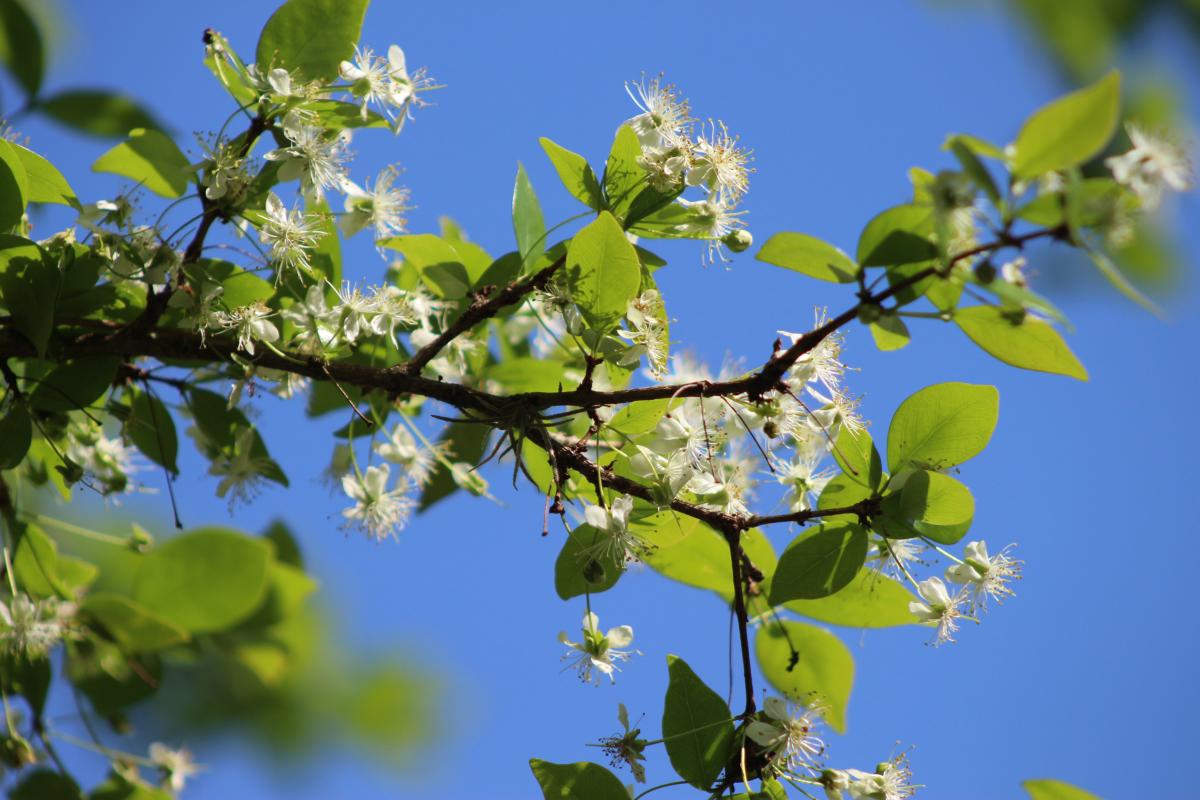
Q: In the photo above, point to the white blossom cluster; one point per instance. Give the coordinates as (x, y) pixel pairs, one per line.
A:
(31, 628)
(675, 156)
(789, 739)
(968, 584)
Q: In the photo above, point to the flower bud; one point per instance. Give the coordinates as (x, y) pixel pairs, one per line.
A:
(593, 571)
(738, 241)
(985, 272)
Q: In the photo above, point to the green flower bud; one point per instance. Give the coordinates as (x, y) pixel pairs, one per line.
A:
(738, 241)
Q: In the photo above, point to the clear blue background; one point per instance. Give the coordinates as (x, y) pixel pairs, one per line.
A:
(1087, 675)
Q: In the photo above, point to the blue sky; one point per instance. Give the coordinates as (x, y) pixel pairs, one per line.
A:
(1086, 675)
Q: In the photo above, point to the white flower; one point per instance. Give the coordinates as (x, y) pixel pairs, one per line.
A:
(648, 336)
(314, 156)
(1014, 272)
(418, 461)
(893, 556)
(290, 235)
(108, 461)
(985, 576)
(276, 81)
(381, 205)
(664, 118)
(225, 172)
(368, 76)
(242, 472)
(377, 511)
(892, 780)
(392, 307)
(598, 652)
(801, 477)
(719, 164)
(712, 219)
(939, 610)
(353, 315)
(789, 738)
(1154, 165)
(176, 765)
(616, 541)
(313, 320)
(29, 628)
(251, 323)
(387, 83)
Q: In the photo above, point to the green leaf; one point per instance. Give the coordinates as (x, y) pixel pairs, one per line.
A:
(624, 178)
(579, 781)
(118, 787)
(974, 168)
(819, 562)
(899, 235)
(238, 286)
(1019, 340)
(870, 600)
(14, 187)
(575, 173)
(35, 565)
(133, 626)
(152, 430)
(528, 223)
(701, 561)
(46, 183)
(577, 572)
(1112, 273)
(111, 679)
(889, 332)
(697, 726)
(45, 784)
(150, 159)
(98, 112)
(810, 256)
(819, 671)
(527, 374)
(1070, 130)
(639, 417)
(942, 426)
(939, 506)
(857, 455)
(21, 46)
(76, 384)
(449, 268)
(205, 580)
(16, 434)
(603, 272)
(311, 37)
(1049, 789)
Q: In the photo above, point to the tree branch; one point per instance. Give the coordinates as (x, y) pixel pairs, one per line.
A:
(478, 312)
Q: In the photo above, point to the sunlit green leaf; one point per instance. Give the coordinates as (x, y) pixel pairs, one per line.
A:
(810, 256)
(603, 272)
(1019, 340)
(819, 562)
(870, 600)
(1070, 130)
(528, 223)
(204, 580)
(809, 665)
(697, 726)
(150, 159)
(942, 425)
(579, 781)
(311, 37)
(575, 173)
